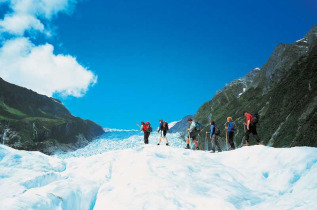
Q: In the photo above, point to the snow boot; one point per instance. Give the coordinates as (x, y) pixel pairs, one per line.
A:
(197, 148)
(187, 147)
(247, 144)
(158, 144)
(167, 144)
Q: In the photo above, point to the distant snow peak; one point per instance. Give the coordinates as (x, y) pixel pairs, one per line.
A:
(247, 81)
(171, 124)
(302, 40)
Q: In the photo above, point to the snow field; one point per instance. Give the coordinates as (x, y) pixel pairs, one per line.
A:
(137, 176)
(119, 140)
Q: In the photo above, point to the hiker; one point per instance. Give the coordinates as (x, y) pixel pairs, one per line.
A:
(251, 128)
(213, 137)
(231, 129)
(192, 133)
(163, 129)
(147, 129)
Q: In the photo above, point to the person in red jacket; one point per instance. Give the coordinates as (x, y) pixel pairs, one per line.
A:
(147, 129)
(251, 128)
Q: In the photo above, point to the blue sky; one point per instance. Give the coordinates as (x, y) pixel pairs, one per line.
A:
(163, 59)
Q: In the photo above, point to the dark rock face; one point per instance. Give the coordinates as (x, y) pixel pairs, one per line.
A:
(32, 121)
(283, 91)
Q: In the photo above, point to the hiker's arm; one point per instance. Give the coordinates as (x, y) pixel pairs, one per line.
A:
(192, 127)
(159, 128)
(248, 124)
(211, 130)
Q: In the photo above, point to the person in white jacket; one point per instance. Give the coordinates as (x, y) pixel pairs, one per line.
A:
(192, 133)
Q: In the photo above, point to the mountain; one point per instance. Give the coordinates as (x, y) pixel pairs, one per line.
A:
(283, 91)
(181, 125)
(32, 121)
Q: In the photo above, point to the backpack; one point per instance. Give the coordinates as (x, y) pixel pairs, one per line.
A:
(256, 118)
(149, 128)
(166, 125)
(216, 131)
(198, 126)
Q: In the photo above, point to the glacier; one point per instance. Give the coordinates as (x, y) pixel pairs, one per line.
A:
(118, 171)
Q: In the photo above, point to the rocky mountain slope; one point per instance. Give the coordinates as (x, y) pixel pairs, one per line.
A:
(283, 91)
(32, 121)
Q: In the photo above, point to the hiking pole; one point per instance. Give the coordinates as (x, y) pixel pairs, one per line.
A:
(245, 130)
(198, 139)
(206, 142)
(138, 125)
(227, 140)
(189, 141)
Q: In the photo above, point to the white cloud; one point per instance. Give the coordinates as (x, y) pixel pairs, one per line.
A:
(18, 23)
(43, 8)
(26, 14)
(37, 67)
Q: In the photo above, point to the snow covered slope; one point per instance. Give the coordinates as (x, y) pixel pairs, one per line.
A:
(131, 175)
(172, 124)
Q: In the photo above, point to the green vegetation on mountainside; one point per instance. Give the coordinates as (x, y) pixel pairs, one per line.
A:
(286, 101)
(32, 121)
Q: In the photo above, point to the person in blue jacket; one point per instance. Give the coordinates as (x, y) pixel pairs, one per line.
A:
(231, 128)
(213, 137)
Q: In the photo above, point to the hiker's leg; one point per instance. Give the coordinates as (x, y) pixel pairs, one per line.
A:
(193, 136)
(147, 137)
(196, 143)
(209, 142)
(231, 134)
(247, 135)
(213, 142)
(164, 136)
(217, 144)
(144, 137)
(255, 134)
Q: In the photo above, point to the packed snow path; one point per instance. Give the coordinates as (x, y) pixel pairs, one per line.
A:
(160, 177)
